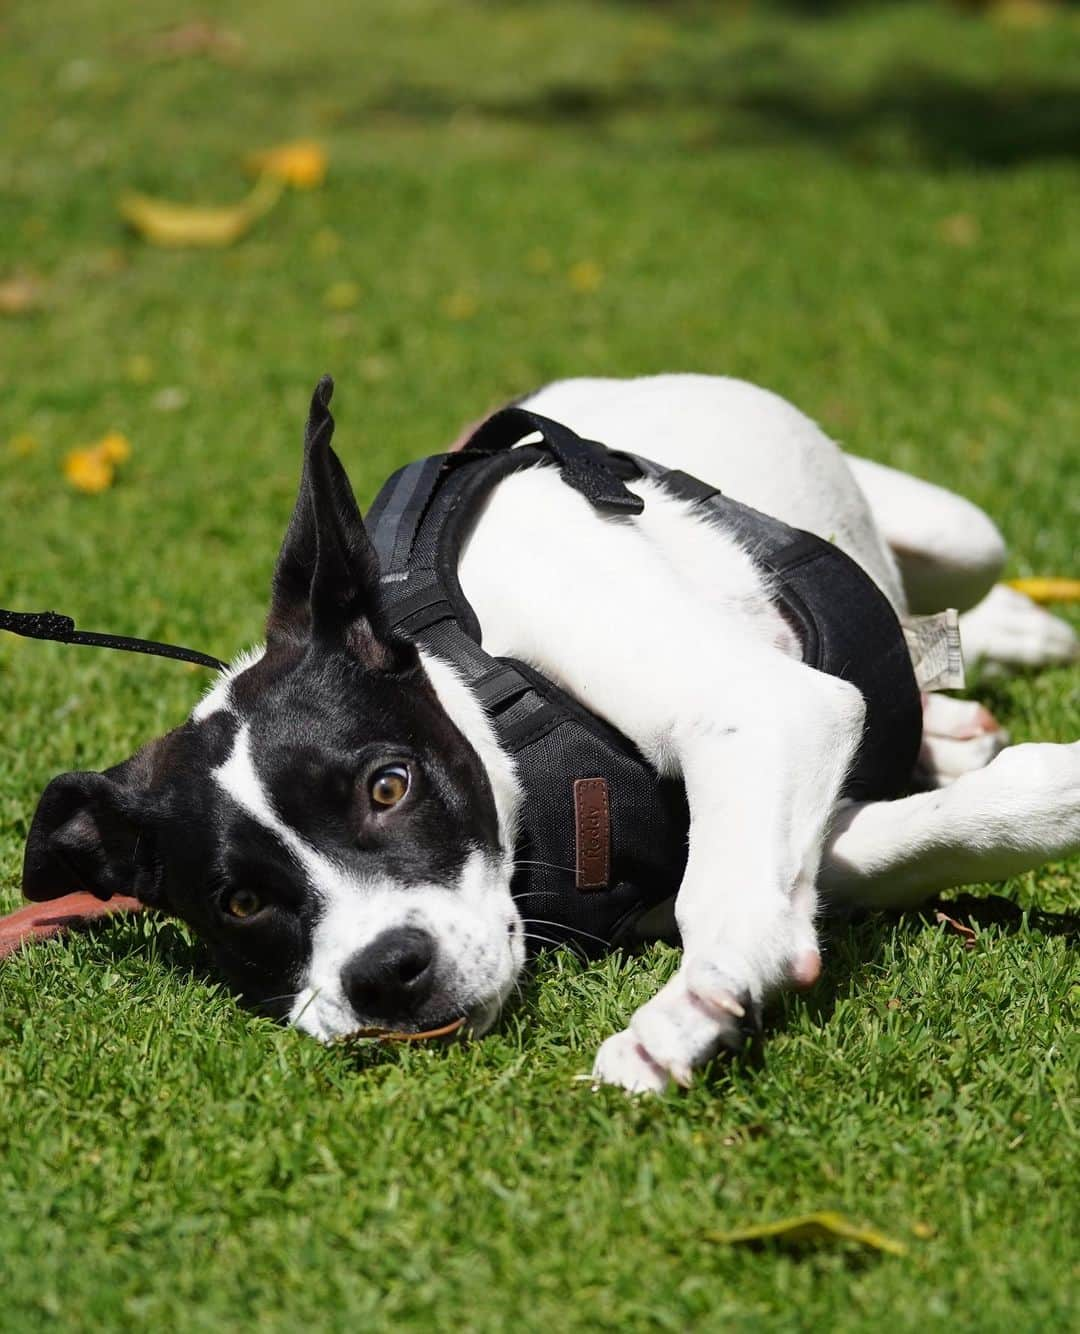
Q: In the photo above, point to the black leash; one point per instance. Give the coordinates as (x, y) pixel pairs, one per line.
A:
(60, 629)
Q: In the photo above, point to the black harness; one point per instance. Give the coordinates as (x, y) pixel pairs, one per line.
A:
(603, 837)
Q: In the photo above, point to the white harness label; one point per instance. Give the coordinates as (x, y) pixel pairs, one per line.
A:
(934, 645)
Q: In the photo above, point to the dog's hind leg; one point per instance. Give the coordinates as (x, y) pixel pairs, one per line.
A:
(1023, 809)
(950, 554)
(1009, 629)
(949, 551)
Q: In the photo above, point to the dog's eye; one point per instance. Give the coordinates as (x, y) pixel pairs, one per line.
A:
(389, 785)
(244, 903)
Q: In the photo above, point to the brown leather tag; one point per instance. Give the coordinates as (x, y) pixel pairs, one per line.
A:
(592, 830)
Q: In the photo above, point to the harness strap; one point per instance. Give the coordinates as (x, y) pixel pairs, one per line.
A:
(416, 526)
(399, 507)
(583, 463)
(60, 629)
(859, 641)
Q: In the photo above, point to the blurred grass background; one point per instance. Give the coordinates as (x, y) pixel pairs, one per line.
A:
(870, 209)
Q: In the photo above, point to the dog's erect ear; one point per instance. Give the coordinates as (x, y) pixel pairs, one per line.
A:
(326, 581)
(86, 834)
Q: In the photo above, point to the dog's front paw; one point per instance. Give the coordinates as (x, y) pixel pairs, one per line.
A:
(624, 1062)
(684, 1025)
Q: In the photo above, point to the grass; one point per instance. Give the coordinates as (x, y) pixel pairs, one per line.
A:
(873, 213)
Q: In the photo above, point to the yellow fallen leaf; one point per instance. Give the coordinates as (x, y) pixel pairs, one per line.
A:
(825, 1225)
(92, 468)
(164, 223)
(301, 164)
(19, 295)
(114, 447)
(1048, 589)
(585, 276)
(88, 470)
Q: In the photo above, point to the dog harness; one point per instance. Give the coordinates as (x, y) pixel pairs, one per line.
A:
(603, 837)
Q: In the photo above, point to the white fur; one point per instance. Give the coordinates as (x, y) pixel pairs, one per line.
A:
(217, 695)
(467, 714)
(1021, 810)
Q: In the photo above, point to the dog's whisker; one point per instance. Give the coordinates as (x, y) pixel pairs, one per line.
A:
(273, 1000)
(554, 866)
(545, 940)
(540, 921)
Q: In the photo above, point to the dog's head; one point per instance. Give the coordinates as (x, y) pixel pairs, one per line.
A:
(320, 820)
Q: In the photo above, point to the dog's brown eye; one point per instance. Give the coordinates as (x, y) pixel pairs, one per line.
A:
(244, 903)
(389, 785)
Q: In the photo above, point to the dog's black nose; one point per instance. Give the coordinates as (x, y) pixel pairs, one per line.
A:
(391, 978)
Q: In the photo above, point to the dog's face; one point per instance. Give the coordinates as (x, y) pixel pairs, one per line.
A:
(319, 820)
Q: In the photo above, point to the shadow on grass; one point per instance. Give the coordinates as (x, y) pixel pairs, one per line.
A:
(758, 94)
(853, 946)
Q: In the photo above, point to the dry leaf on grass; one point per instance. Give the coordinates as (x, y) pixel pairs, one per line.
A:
(115, 447)
(88, 471)
(164, 223)
(200, 37)
(301, 164)
(1048, 589)
(92, 468)
(20, 295)
(961, 928)
(823, 1226)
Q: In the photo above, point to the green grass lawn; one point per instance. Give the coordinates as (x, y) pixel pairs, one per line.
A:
(874, 213)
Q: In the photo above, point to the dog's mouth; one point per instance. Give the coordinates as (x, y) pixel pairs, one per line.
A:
(444, 1032)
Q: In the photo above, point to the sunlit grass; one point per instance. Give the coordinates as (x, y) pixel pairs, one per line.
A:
(875, 215)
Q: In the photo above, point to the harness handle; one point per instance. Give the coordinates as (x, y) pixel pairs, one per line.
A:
(583, 463)
(60, 629)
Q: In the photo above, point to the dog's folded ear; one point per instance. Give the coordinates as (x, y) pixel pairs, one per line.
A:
(88, 833)
(326, 581)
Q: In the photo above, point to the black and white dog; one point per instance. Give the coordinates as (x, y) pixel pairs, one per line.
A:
(337, 817)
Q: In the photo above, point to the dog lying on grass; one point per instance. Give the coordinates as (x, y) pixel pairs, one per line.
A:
(338, 816)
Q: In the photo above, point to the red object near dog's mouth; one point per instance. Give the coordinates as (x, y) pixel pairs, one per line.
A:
(396, 1035)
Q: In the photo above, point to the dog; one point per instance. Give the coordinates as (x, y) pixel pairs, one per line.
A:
(337, 817)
